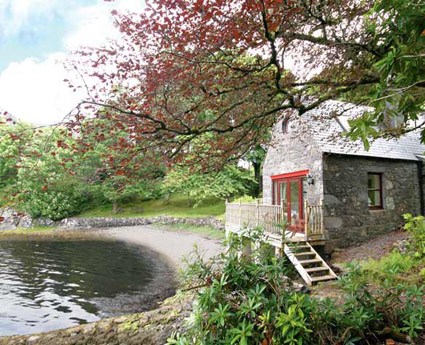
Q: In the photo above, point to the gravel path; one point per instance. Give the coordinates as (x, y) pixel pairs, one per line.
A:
(375, 248)
(172, 244)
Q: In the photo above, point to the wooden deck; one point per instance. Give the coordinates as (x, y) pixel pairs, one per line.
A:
(274, 230)
(271, 220)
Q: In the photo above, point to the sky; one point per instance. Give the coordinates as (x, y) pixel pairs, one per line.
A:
(35, 38)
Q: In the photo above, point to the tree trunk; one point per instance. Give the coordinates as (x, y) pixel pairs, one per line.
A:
(115, 207)
(259, 178)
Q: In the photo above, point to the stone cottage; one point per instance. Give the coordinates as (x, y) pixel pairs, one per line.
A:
(361, 193)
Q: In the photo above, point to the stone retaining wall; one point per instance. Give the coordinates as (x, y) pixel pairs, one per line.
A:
(87, 223)
(11, 219)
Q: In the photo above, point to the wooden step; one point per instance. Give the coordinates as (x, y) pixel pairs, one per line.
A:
(312, 270)
(305, 256)
(316, 269)
(298, 244)
(322, 278)
(304, 253)
(299, 248)
(310, 261)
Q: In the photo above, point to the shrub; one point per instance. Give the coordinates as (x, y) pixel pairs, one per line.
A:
(244, 302)
(416, 227)
(245, 199)
(252, 302)
(54, 203)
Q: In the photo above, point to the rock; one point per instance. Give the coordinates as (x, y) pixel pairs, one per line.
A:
(25, 222)
(7, 212)
(11, 219)
(33, 340)
(44, 222)
(337, 268)
(88, 223)
(152, 328)
(401, 246)
(300, 288)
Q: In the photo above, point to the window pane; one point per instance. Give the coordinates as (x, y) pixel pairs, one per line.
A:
(373, 181)
(374, 192)
(374, 198)
(283, 193)
(294, 202)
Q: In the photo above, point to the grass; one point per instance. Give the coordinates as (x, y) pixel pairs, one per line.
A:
(400, 267)
(206, 231)
(177, 206)
(49, 233)
(37, 230)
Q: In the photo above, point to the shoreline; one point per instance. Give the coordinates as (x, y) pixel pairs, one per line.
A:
(174, 245)
(171, 245)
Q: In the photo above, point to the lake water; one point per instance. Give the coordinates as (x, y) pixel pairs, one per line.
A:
(51, 284)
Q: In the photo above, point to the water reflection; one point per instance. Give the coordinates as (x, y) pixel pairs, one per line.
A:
(46, 285)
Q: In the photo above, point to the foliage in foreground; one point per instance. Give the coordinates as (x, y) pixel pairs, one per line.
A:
(252, 302)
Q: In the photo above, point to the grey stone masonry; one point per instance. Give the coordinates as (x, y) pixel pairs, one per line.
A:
(315, 143)
(88, 223)
(291, 152)
(347, 217)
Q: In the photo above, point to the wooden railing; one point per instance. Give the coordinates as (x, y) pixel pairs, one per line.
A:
(314, 221)
(271, 218)
(248, 216)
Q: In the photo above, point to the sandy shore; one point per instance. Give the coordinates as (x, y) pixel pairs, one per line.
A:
(174, 245)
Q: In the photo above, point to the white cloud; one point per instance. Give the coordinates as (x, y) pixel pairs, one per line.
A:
(91, 28)
(34, 91)
(15, 14)
(93, 25)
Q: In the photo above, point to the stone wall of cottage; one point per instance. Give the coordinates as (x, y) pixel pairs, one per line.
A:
(291, 152)
(348, 219)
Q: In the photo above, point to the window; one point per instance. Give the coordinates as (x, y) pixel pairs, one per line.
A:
(374, 190)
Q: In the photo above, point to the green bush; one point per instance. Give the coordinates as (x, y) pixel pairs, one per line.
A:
(54, 204)
(245, 199)
(389, 269)
(245, 302)
(199, 186)
(416, 227)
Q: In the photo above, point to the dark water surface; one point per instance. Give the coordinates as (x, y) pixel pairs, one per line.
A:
(51, 284)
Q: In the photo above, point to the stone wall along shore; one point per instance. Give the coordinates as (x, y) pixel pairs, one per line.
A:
(11, 219)
(88, 223)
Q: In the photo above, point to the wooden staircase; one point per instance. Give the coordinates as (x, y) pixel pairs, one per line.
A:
(309, 264)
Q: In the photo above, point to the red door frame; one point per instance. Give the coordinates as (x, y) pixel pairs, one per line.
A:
(288, 178)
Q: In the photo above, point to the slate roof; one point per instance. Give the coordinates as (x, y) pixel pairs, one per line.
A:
(329, 120)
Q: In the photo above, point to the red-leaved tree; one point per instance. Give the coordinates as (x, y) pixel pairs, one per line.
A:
(224, 70)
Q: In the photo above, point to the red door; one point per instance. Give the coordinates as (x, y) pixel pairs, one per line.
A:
(288, 190)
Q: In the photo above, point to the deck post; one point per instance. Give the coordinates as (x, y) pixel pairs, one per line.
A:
(226, 228)
(306, 220)
(322, 221)
(240, 215)
(280, 220)
(278, 252)
(258, 213)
